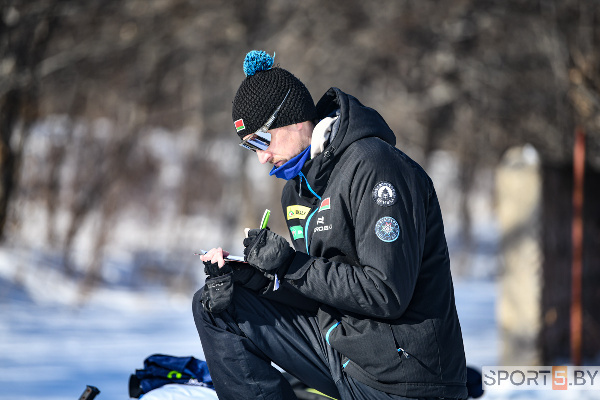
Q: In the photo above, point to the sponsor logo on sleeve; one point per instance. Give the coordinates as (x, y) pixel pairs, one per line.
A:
(387, 229)
(239, 125)
(297, 212)
(297, 232)
(325, 204)
(384, 194)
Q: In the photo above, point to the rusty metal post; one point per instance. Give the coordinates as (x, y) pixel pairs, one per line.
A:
(577, 244)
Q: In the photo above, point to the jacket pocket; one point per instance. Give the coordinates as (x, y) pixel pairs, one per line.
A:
(418, 346)
(366, 343)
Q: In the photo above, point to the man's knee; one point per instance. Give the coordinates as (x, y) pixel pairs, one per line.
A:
(202, 317)
(245, 299)
(197, 308)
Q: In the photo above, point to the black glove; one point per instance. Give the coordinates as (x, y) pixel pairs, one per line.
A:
(212, 269)
(218, 288)
(217, 293)
(268, 252)
(243, 274)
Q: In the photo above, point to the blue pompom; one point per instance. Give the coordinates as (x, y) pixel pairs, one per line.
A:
(257, 61)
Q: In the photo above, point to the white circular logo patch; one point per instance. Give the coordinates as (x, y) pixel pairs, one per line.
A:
(387, 229)
(384, 194)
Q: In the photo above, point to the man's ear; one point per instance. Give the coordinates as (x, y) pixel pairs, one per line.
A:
(305, 125)
(306, 128)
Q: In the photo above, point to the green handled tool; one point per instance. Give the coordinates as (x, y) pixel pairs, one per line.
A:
(265, 219)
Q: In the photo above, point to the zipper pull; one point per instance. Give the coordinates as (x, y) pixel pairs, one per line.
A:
(300, 186)
(404, 353)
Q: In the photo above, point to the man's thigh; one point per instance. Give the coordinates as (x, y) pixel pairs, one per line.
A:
(288, 336)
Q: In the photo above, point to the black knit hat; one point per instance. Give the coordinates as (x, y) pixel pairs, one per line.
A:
(261, 93)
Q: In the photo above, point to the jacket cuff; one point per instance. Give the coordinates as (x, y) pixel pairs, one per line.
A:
(286, 294)
(248, 276)
(299, 266)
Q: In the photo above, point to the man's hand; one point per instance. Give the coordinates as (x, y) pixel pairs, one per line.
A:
(218, 288)
(243, 274)
(268, 251)
(214, 261)
(216, 255)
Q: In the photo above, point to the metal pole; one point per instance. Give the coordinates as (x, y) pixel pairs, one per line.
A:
(577, 244)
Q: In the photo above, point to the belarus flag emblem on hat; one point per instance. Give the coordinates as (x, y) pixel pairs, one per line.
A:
(239, 125)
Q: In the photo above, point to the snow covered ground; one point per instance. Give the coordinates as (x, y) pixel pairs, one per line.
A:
(52, 351)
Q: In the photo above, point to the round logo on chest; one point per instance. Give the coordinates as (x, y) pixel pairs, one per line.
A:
(384, 194)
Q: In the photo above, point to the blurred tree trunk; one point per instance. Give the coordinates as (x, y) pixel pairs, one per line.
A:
(557, 193)
(577, 22)
(9, 110)
(591, 266)
(24, 36)
(556, 244)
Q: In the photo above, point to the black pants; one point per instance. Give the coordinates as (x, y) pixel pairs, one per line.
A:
(240, 343)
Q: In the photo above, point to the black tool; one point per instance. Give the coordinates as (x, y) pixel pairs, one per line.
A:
(89, 393)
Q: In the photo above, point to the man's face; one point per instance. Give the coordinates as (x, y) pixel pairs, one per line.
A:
(286, 143)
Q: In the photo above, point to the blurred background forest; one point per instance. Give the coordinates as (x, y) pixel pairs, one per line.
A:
(119, 160)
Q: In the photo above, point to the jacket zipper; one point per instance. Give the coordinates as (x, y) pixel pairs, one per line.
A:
(313, 213)
(329, 332)
(403, 352)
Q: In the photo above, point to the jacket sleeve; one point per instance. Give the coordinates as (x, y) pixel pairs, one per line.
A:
(389, 241)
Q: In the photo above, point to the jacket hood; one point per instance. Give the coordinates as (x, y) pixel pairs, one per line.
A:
(356, 122)
(365, 121)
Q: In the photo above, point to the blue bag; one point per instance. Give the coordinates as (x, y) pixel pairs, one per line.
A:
(160, 369)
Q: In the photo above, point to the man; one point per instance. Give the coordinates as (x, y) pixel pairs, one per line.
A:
(362, 307)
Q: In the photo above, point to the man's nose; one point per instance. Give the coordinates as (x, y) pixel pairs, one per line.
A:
(263, 156)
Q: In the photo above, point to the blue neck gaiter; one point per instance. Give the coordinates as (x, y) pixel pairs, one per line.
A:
(292, 167)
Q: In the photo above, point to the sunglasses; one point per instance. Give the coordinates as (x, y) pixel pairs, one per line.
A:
(261, 139)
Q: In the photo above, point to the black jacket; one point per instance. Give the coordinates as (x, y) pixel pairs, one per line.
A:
(371, 250)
